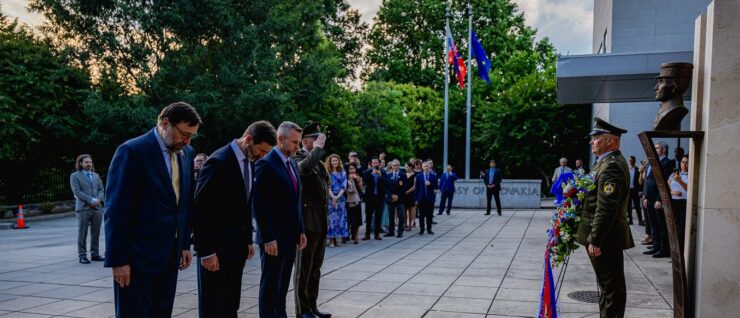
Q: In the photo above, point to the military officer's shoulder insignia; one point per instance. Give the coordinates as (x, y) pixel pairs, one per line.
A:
(608, 188)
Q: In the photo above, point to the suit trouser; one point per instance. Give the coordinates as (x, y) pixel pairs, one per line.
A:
(373, 213)
(446, 197)
(426, 212)
(495, 194)
(148, 295)
(634, 201)
(93, 219)
(396, 209)
(609, 268)
(658, 228)
(219, 292)
(308, 273)
(275, 280)
(679, 212)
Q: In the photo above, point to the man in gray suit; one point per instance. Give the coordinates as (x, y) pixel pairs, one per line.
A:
(89, 195)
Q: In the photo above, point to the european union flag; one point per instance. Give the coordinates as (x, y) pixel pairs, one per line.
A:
(484, 65)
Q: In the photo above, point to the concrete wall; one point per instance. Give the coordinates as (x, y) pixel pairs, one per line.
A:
(718, 226)
(515, 194)
(602, 25)
(654, 25)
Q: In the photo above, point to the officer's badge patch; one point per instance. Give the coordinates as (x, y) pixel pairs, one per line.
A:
(609, 188)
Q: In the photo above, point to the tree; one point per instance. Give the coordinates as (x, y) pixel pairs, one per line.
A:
(41, 99)
(384, 126)
(237, 62)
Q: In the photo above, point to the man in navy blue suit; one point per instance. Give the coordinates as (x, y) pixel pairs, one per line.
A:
(147, 216)
(222, 219)
(447, 187)
(425, 195)
(277, 209)
(492, 180)
(375, 195)
(397, 184)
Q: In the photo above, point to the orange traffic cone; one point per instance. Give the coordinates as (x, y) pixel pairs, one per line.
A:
(21, 224)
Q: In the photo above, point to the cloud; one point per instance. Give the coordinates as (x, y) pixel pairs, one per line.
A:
(19, 9)
(567, 23)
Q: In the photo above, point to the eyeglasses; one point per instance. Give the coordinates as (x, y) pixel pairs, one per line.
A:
(185, 134)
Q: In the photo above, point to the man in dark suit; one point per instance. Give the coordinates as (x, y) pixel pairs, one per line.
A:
(603, 229)
(397, 184)
(492, 180)
(222, 219)
(89, 196)
(425, 195)
(314, 194)
(147, 216)
(277, 208)
(447, 187)
(375, 194)
(635, 188)
(651, 202)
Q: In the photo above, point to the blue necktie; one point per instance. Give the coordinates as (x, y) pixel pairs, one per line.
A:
(375, 178)
(490, 177)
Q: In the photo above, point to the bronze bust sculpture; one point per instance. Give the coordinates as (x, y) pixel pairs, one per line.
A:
(673, 81)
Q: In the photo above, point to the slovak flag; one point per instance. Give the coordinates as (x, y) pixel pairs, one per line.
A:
(548, 299)
(455, 59)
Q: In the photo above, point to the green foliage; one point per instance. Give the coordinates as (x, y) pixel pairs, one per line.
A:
(382, 120)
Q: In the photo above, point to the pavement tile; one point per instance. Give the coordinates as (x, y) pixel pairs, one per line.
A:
(22, 303)
(60, 307)
(99, 310)
(464, 305)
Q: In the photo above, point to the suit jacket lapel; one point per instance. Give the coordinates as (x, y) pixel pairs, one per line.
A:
(156, 154)
(280, 168)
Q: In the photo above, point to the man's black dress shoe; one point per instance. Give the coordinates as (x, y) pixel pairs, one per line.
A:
(399, 235)
(321, 314)
(84, 260)
(650, 252)
(421, 232)
(430, 232)
(390, 234)
(309, 315)
(97, 258)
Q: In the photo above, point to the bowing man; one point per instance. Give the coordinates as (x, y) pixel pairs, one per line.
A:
(222, 219)
(277, 209)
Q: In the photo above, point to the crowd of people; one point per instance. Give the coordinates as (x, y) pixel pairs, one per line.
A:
(273, 191)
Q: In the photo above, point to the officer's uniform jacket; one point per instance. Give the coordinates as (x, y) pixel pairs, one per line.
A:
(314, 190)
(604, 215)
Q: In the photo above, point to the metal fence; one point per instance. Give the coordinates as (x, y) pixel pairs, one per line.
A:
(50, 184)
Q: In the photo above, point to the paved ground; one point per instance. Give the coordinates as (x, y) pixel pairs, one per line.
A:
(475, 266)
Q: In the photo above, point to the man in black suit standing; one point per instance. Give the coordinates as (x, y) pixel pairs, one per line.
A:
(223, 219)
(492, 180)
(375, 194)
(277, 208)
(652, 203)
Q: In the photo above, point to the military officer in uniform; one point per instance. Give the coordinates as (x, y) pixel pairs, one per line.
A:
(603, 228)
(314, 194)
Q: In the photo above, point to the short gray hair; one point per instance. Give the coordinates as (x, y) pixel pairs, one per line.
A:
(663, 145)
(563, 159)
(287, 127)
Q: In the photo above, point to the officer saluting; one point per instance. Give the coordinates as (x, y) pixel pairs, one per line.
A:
(603, 228)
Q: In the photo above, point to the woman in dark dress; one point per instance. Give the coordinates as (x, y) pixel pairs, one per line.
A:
(412, 168)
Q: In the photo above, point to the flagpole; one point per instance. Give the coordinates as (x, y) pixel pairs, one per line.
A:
(447, 87)
(467, 122)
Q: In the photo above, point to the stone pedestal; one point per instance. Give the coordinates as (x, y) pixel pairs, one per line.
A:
(716, 276)
(515, 194)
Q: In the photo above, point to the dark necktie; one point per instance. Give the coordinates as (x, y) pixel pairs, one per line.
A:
(247, 177)
(426, 179)
(292, 176)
